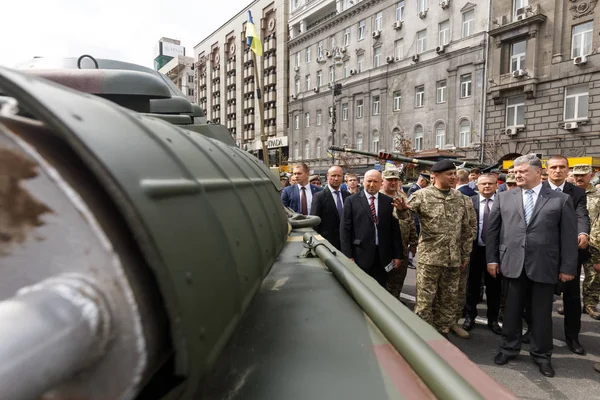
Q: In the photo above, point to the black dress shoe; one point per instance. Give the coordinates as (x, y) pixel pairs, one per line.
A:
(546, 368)
(526, 338)
(575, 347)
(468, 324)
(502, 359)
(495, 327)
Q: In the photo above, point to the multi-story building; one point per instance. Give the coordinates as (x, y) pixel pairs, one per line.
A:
(543, 79)
(167, 49)
(181, 71)
(226, 78)
(409, 69)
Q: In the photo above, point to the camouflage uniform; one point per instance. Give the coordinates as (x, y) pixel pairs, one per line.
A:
(445, 241)
(462, 286)
(591, 282)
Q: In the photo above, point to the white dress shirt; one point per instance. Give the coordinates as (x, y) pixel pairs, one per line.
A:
(481, 212)
(535, 194)
(337, 200)
(376, 195)
(308, 196)
(553, 186)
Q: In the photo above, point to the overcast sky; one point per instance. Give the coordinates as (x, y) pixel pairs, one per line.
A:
(126, 30)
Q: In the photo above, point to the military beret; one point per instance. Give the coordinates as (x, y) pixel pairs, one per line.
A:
(582, 169)
(425, 174)
(511, 178)
(283, 175)
(443, 165)
(314, 177)
(391, 174)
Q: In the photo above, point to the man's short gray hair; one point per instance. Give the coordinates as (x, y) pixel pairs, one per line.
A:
(530, 159)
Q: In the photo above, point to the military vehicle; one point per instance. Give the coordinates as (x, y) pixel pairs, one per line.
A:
(147, 258)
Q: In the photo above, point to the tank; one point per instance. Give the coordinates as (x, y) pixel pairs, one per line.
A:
(144, 260)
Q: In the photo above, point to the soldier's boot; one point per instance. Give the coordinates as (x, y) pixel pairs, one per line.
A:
(459, 331)
(592, 312)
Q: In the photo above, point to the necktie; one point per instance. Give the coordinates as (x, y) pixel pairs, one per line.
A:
(339, 202)
(558, 189)
(528, 205)
(303, 201)
(373, 211)
(486, 217)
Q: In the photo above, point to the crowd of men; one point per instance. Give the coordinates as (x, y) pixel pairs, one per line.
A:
(527, 239)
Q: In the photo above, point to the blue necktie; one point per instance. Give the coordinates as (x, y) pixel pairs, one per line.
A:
(528, 205)
(339, 202)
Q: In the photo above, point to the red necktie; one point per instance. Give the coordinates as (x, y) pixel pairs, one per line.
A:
(303, 203)
(373, 211)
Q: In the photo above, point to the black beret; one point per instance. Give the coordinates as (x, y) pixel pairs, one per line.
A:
(443, 165)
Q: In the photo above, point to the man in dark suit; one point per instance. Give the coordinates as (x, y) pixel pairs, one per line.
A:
(328, 204)
(369, 233)
(483, 203)
(532, 241)
(298, 197)
(463, 183)
(421, 183)
(558, 170)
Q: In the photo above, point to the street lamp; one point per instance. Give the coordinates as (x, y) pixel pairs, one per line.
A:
(336, 89)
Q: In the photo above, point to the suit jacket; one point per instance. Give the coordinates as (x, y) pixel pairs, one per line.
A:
(357, 231)
(323, 205)
(290, 196)
(545, 247)
(413, 189)
(467, 191)
(580, 203)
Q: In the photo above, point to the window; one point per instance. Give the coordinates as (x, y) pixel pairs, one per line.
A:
(307, 82)
(399, 49)
(320, 49)
(376, 105)
(296, 122)
(347, 37)
(378, 21)
(331, 73)
(421, 6)
(296, 151)
(464, 130)
(582, 39)
(419, 96)
(375, 142)
(361, 63)
(307, 120)
(519, 4)
(441, 92)
(440, 135)
(330, 115)
(397, 100)
(359, 108)
(361, 30)
(190, 91)
(346, 69)
(346, 4)
(319, 117)
(308, 55)
(418, 138)
(376, 57)
(517, 55)
(576, 102)
(318, 148)
(297, 84)
(466, 86)
(421, 41)
(444, 33)
(515, 111)
(190, 78)
(467, 23)
(297, 59)
(319, 78)
(400, 11)
(345, 111)
(306, 149)
(359, 141)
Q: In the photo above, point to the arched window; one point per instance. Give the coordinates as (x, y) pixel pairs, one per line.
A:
(319, 150)
(359, 141)
(306, 149)
(464, 130)
(375, 142)
(296, 151)
(418, 137)
(440, 135)
(396, 139)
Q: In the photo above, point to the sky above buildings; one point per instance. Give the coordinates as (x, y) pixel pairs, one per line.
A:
(127, 30)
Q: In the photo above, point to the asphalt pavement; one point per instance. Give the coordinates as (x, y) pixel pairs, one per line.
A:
(575, 375)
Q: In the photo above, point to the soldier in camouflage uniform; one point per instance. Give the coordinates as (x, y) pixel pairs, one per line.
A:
(444, 246)
(591, 282)
(391, 187)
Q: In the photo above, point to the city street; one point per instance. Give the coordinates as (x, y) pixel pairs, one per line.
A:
(575, 376)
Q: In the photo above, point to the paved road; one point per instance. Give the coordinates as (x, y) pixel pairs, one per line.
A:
(575, 376)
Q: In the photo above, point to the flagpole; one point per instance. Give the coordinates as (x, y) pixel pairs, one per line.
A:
(261, 110)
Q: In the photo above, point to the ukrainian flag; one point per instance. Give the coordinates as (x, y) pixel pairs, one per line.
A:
(253, 41)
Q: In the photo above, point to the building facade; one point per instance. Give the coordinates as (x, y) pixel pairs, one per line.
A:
(167, 49)
(412, 69)
(181, 71)
(226, 78)
(543, 79)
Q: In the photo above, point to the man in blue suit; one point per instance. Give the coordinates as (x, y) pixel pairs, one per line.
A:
(298, 197)
(463, 183)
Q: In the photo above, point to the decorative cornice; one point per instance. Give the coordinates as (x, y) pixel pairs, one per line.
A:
(533, 20)
(582, 9)
(337, 20)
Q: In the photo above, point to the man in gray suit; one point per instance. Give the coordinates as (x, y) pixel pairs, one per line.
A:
(532, 242)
